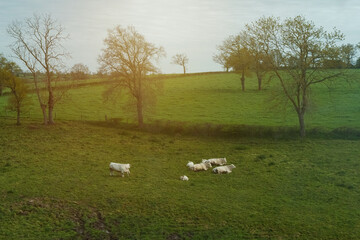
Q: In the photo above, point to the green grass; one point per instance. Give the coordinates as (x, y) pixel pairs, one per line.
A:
(55, 184)
(217, 99)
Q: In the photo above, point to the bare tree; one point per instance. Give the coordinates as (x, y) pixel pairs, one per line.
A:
(79, 71)
(298, 51)
(38, 44)
(128, 57)
(180, 59)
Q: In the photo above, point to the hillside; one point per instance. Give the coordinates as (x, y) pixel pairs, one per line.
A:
(216, 99)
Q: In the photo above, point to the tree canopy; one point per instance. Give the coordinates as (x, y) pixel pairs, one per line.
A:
(299, 53)
(129, 59)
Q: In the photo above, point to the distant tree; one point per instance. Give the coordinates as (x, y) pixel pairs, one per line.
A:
(38, 44)
(79, 71)
(223, 59)
(180, 59)
(3, 68)
(18, 89)
(297, 50)
(128, 57)
(18, 99)
(348, 52)
(7, 67)
(357, 64)
(260, 63)
(238, 56)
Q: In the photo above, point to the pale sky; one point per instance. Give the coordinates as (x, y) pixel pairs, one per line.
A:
(194, 27)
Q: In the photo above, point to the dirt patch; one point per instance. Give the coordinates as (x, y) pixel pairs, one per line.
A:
(87, 220)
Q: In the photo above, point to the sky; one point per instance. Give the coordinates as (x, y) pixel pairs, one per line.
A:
(193, 27)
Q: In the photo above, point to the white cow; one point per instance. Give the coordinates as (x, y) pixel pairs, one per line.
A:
(119, 167)
(199, 166)
(215, 161)
(224, 169)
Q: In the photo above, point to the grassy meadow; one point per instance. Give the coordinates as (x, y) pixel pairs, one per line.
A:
(55, 183)
(217, 99)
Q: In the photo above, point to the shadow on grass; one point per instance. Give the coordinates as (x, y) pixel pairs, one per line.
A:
(230, 131)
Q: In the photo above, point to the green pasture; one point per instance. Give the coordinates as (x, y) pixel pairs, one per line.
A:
(55, 184)
(216, 99)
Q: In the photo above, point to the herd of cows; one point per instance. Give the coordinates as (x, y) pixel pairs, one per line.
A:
(203, 166)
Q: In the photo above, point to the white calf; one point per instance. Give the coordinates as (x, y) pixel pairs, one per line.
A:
(184, 178)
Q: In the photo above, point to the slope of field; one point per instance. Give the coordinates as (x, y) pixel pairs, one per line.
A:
(55, 184)
(217, 99)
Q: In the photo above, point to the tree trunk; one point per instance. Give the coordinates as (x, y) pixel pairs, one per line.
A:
(18, 116)
(42, 106)
(1, 90)
(51, 107)
(243, 80)
(43, 109)
(184, 69)
(139, 105)
(259, 82)
(51, 117)
(140, 112)
(301, 116)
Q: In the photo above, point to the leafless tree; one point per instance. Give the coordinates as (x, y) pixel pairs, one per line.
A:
(180, 59)
(128, 58)
(38, 44)
(79, 71)
(298, 51)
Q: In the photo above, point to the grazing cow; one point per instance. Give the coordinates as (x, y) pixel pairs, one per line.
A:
(119, 167)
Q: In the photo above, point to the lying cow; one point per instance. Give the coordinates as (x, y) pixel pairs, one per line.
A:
(199, 166)
(215, 161)
(184, 178)
(224, 169)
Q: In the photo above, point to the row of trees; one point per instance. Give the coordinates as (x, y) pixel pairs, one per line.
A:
(242, 54)
(128, 58)
(294, 51)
